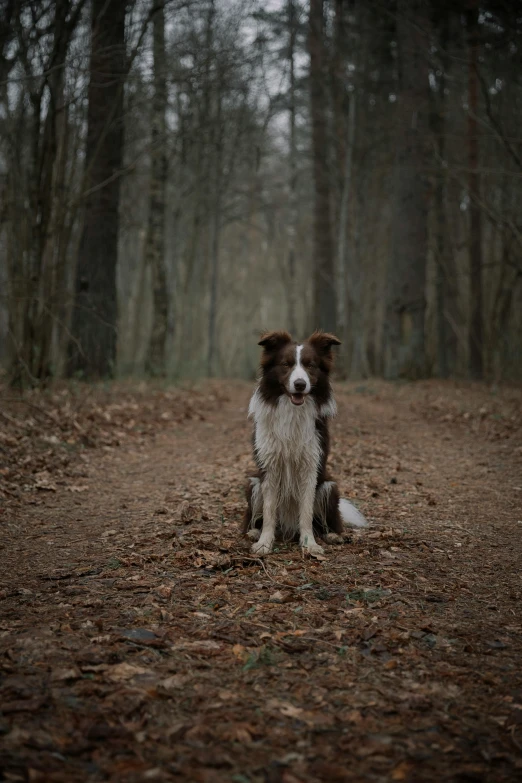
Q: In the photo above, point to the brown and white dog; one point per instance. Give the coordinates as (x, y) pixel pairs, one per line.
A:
(292, 492)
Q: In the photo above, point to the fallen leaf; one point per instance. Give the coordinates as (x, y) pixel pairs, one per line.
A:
(43, 481)
(124, 671)
(402, 771)
(174, 683)
(240, 652)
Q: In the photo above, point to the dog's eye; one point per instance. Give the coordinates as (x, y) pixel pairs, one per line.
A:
(285, 364)
(312, 365)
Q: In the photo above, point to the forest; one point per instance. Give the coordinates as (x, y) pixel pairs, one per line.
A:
(177, 175)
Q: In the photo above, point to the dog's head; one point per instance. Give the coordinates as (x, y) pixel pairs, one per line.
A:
(296, 369)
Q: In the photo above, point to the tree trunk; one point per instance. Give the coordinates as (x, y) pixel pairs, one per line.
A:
(57, 228)
(346, 284)
(192, 360)
(446, 279)
(215, 227)
(292, 185)
(155, 244)
(475, 216)
(94, 321)
(38, 271)
(406, 303)
(324, 268)
(344, 134)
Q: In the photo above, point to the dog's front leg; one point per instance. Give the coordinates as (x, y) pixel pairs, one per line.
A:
(306, 516)
(266, 540)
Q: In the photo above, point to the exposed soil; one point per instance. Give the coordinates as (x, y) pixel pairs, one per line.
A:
(140, 639)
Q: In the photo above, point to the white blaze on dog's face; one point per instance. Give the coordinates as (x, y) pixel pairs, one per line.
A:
(297, 370)
(299, 381)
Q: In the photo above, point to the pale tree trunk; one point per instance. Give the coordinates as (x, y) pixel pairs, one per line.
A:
(192, 361)
(155, 242)
(292, 158)
(53, 281)
(406, 278)
(475, 216)
(93, 348)
(215, 227)
(324, 315)
(350, 272)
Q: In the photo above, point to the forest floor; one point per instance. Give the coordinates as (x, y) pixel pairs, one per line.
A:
(141, 640)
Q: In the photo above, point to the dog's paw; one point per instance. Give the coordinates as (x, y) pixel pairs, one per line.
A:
(313, 548)
(262, 547)
(333, 538)
(254, 534)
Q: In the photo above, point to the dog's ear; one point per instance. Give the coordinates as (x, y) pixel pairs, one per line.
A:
(323, 341)
(271, 341)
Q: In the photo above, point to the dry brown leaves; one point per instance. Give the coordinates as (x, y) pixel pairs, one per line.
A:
(148, 643)
(44, 433)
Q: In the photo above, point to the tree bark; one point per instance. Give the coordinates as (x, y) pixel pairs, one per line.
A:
(292, 184)
(406, 279)
(94, 320)
(446, 276)
(215, 228)
(155, 244)
(344, 136)
(37, 274)
(324, 267)
(475, 216)
(346, 285)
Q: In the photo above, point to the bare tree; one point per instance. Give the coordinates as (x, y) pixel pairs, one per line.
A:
(446, 273)
(475, 214)
(7, 31)
(324, 267)
(155, 243)
(215, 185)
(38, 142)
(93, 349)
(292, 162)
(406, 298)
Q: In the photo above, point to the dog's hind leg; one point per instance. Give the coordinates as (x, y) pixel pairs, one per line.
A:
(327, 518)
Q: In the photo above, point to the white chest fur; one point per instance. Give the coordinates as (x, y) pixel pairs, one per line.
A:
(288, 449)
(284, 432)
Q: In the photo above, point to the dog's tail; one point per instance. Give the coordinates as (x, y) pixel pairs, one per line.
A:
(350, 515)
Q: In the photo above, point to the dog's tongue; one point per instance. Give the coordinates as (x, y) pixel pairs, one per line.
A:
(297, 399)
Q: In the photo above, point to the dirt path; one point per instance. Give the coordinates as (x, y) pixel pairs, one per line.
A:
(140, 640)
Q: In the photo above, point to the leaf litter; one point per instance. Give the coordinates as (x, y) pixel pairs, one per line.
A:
(140, 639)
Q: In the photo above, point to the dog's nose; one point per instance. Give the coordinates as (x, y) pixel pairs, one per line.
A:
(300, 386)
